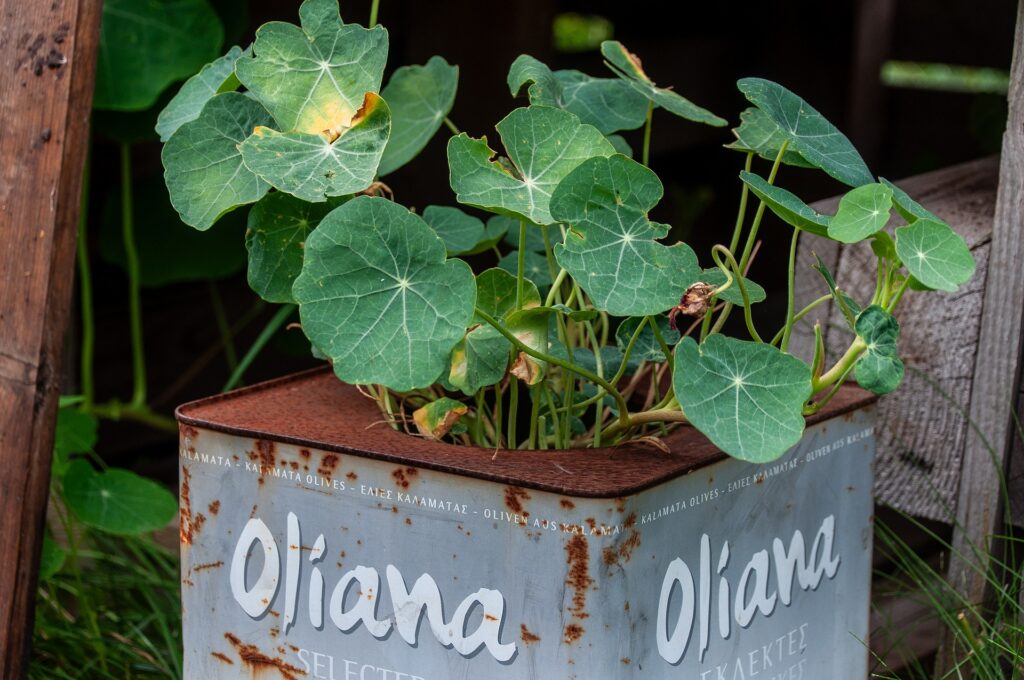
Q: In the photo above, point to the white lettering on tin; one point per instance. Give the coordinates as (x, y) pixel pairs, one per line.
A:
(347, 616)
(752, 595)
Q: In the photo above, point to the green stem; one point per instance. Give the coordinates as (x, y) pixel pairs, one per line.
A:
(534, 415)
(478, 424)
(800, 315)
(261, 340)
(601, 394)
(555, 423)
(134, 286)
(451, 126)
(85, 297)
(647, 134)
(513, 412)
(841, 367)
(663, 415)
(787, 330)
(669, 358)
(115, 410)
(756, 224)
(716, 253)
(558, 361)
(895, 300)
(373, 12)
(549, 255)
(224, 328)
(499, 413)
(521, 266)
(742, 213)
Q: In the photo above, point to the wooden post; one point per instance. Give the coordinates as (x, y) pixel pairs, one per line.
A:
(47, 64)
(997, 367)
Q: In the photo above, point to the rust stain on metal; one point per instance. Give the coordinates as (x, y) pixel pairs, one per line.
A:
(188, 524)
(258, 661)
(267, 452)
(328, 464)
(579, 579)
(573, 632)
(408, 521)
(514, 498)
(209, 565)
(222, 657)
(403, 476)
(567, 504)
(352, 476)
(526, 636)
(626, 660)
(214, 507)
(622, 552)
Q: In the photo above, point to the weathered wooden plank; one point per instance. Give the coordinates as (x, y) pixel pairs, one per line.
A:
(997, 366)
(922, 427)
(47, 55)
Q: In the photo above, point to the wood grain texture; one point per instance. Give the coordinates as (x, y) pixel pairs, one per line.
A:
(47, 61)
(997, 366)
(922, 427)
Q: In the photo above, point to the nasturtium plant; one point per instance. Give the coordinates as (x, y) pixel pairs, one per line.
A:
(585, 324)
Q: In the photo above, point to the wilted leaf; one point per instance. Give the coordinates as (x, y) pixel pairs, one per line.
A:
(611, 248)
(314, 78)
(747, 397)
(378, 297)
(543, 144)
(420, 97)
(314, 167)
(117, 501)
(202, 164)
(437, 418)
(810, 134)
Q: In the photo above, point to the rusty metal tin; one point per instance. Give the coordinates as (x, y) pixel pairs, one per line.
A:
(319, 543)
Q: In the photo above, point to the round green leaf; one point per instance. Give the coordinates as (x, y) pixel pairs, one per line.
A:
(279, 225)
(536, 269)
(862, 212)
(747, 397)
(145, 45)
(312, 166)
(460, 231)
(810, 134)
(202, 164)
(188, 103)
(759, 134)
(52, 558)
(495, 229)
(117, 501)
(420, 97)
(377, 296)
(479, 360)
(907, 207)
(786, 205)
(627, 66)
(611, 248)
(314, 78)
(543, 144)
(936, 255)
(170, 251)
(879, 369)
(647, 347)
(496, 293)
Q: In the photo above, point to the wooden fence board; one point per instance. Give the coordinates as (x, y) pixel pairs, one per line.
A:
(47, 61)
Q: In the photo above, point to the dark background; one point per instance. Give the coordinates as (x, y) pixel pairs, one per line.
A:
(828, 52)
